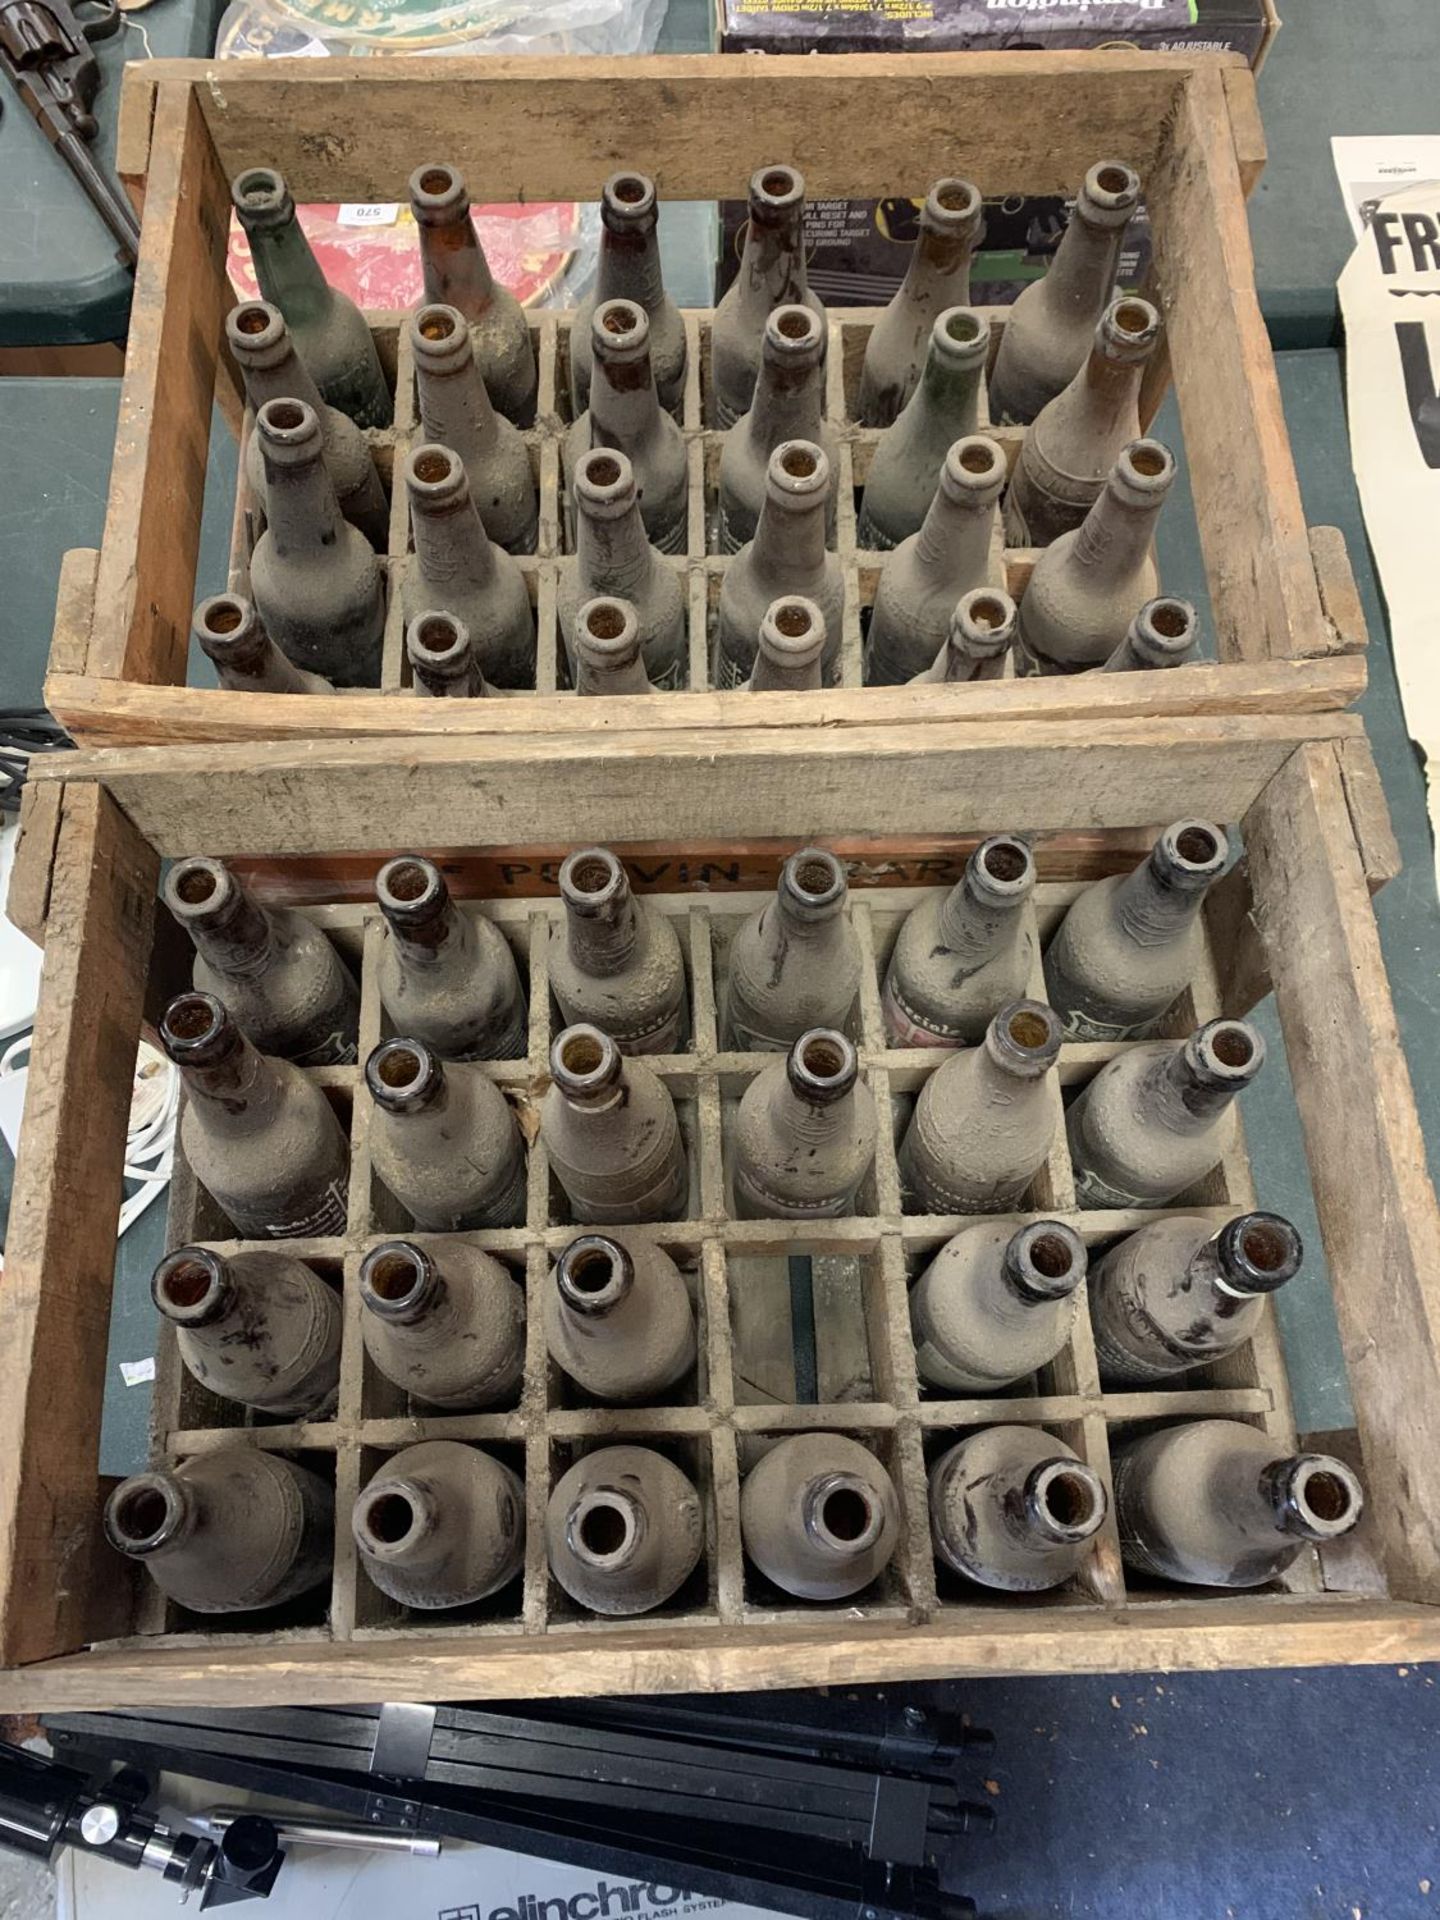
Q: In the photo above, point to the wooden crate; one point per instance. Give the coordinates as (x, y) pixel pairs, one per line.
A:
(1285, 616)
(74, 1631)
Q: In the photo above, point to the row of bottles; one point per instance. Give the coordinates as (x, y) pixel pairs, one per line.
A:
(1211, 1503)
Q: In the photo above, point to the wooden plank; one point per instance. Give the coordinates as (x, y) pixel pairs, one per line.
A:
(145, 585)
(1247, 500)
(56, 1593)
(1242, 99)
(1339, 596)
(1378, 1213)
(347, 796)
(27, 905)
(109, 712)
(74, 611)
(1369, 814)
(1185, 1635)
(134, 125)
(347, 129)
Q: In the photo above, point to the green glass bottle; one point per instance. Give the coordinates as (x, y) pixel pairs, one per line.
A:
(329, 330)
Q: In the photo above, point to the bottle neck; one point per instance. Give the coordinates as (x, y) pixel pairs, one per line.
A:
(1115, 537)
(303, 515)
(788, 405)
(946, 388)
(790, 537)
(242, 1087)
(624, 408)
(772, 268)
(1083, 270)
(1207, 1281)
(442, 938)
(1150, 911)
(629, 266)
(935, 261)
(290, 276)
(450, 543)
(238, 940)
(601, 941)
(613, 551)
(281, 376)
(1181, 1100)
(455, 406)
(973, 928)
(812, 1122)
(954, 537)
(455, 269)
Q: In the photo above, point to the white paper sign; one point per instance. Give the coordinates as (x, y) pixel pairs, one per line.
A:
(374, 216)
(1371, 167)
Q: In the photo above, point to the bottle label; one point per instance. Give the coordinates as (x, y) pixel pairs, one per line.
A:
(326, 1219)
(1091, 1191)
(335, 1050)
(902, 1027)
(728, 673)
(1084, 1026)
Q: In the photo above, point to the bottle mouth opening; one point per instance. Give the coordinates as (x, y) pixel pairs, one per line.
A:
(776, 188)
(607, 621)
(844, 1514)
(603, 1529)
(401, 1071)
(603, 470)
(1170, 619)
(962, 327)
(1007, 863)
(591, 879)
(1230, 1046)
(1031, 1027)
(1147, 461)
(622, 323)
(440, 324)
(814, 880)
(394, 1277)
(1259, 1252)
(800, 467)
(794, 621)
(1114, 179)
(628, 196)
(797, 326)
(254, 319)
(198, 883)
(433, 466)
(987, 610)
(1325, 1496)
(593, 1273)
(1049, 1259)
(188, 1285)
(143, 1514)
(259, 191)
(387, 1517)
(822, 1065)
(222, 616)
(956, 198)
(975, 459)
(631, 188)
(1069, 1499)
(437, 637)
(584, 1060)
(436, 189)
(192, 1024)
(1133, 316)
(285, 420)
(408, 884)
(1196, 847)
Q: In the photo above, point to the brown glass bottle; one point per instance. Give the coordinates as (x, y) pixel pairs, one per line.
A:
(1014, 1509)
(788, 404)
(265, 353)
(944, 408)
(937, 277)
(613, 555)
(281, 980)
(805, 1133)
(951, 555)
(1078, 436)
(456, 568)
(618, 1317)
(457, 274)
(625, 414)
(787, 557)
(606, 650)
(772, 274)
(447, 978)
(995, 1305)
(1048, 330)
(791, 652)
(1155, 1121)
(259, 1135)
(226, 1532)
(246, 660)
(1178, 1295)
(795, 964)
(443, 661)
(314, 578)
(1216, 1503)
(819, 1516)
(618, 966)
(258, 1328)
(456, 412)
(330, 332)
(608, 1125)
(444, 1140)
(441, 1525)
(985, 1118)
(1131, 943)
(624, 1530)
(961, 956)
(445, 1324)
(1164, 633)
(629, 269)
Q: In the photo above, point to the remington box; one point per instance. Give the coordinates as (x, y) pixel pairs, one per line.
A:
(858, 248)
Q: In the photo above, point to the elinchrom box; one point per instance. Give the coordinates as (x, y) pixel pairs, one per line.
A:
(858, 248)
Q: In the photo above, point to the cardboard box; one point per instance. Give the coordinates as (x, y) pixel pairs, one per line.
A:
(858, 248)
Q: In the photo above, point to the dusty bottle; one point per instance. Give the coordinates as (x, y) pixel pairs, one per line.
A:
(280, 979)
(961, 956)
(443, 663)
(795, 964)
(456, 412)
(985, 1118)
(944, 408)
(1155, 1121)
(928, 572)
(624, 1530)
(328, 328)
(619, 966)
(1214, 1503)
(258, 1328)
(1048, 332)
(444, 1140)
(613, 555)
(263, 350)
(819, 1516)
(457, 568)
(446, 978)
(1015, 1509)
(629, 269)
(259, 1134)
(226, 1532)
(441, 1525)
(938, 277)
(1164, 633)
(607, 649)
(244, 656)
(1177, 1294)
(625, 414)
(805, 1133)
(788, 404)
(996, 1304)
(982, 632)
(791, 648)
(1078, 436)
(772, 274)
(618, 1317)
(457, 274)
(1130, 944)
(314, 578)
(610, 1130)
(787, 557)
(445, 1324)
(1087, 585)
